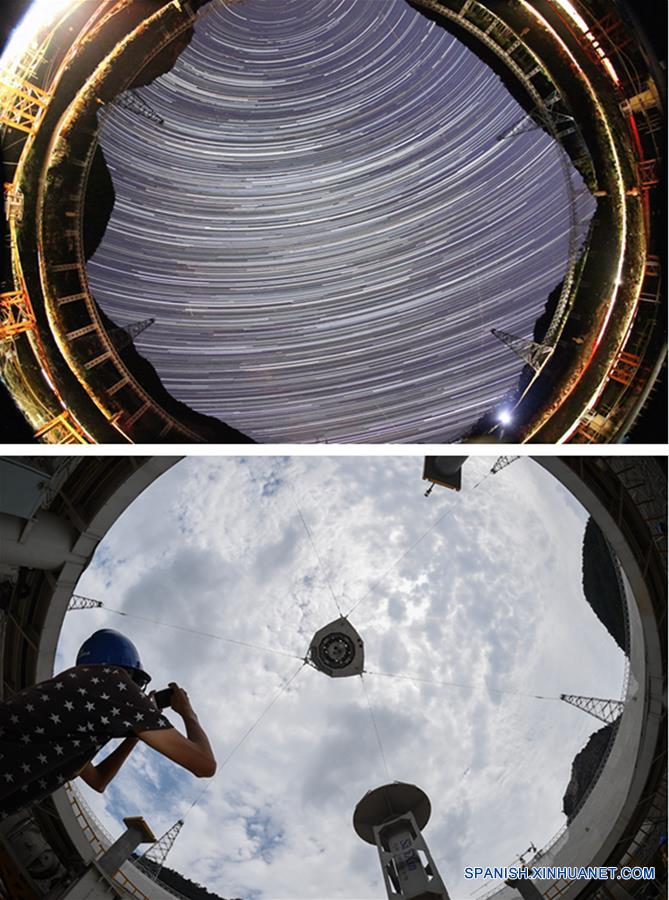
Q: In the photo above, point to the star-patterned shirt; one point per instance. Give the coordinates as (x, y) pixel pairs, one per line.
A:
(49, 732)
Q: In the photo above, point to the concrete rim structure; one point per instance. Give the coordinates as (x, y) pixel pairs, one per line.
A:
(605, 345)
(98, 491)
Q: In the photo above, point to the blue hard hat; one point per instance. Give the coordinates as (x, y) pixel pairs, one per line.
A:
(109, 646)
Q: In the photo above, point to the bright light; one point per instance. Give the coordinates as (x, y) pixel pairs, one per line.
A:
(30, 29)
(575, 16)
(504, 417)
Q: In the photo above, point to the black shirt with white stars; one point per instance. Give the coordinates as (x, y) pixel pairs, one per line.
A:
(49, 732)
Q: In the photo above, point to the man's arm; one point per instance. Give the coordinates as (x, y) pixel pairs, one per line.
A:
(193, 752)
(98, 777)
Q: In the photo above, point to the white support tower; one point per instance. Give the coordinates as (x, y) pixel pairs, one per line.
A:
(157, 853)
(124, 335)
(391, 817)
(135, 103)
(558, 123)
(605, 710)
(501, 463)
(78, 601)
(531, 352)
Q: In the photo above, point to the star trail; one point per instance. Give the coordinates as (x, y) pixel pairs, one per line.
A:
(325, 227)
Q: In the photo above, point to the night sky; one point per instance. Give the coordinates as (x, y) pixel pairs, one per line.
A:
(325, 227)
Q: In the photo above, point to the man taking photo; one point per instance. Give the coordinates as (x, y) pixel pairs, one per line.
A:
(50, 732)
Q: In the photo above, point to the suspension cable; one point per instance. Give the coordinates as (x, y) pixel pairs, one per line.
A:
(478, 483)
(216, 637)
(318, 557)
(375, 726)
(246, 734)
(262, 715)
(458, 684)
(197, 799)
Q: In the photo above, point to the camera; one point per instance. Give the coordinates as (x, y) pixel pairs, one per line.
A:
(163, 698)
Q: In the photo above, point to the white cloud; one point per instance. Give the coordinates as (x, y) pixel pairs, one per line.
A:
(489, 599)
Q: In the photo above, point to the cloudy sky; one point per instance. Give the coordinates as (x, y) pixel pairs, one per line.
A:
(489, 598)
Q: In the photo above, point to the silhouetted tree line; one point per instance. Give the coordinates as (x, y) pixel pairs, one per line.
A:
(185, 886)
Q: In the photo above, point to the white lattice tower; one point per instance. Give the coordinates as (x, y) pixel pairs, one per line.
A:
(77, 601)
(135, 103)
(562, 123)
(125, 334)
(531, 352)
(605, 710)
(502, 462)
(157, 853)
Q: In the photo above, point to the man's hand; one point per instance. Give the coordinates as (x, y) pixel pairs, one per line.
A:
(180, 702)
(192, 752)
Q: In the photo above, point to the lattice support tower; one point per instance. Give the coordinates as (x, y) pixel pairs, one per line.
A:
(157, 853)
(134, 103)
(21, 103)
(124, 335)
(557, 122)
(77, 601)
(604, 710)
(16, 315)
(531, 352)
(502, 462)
